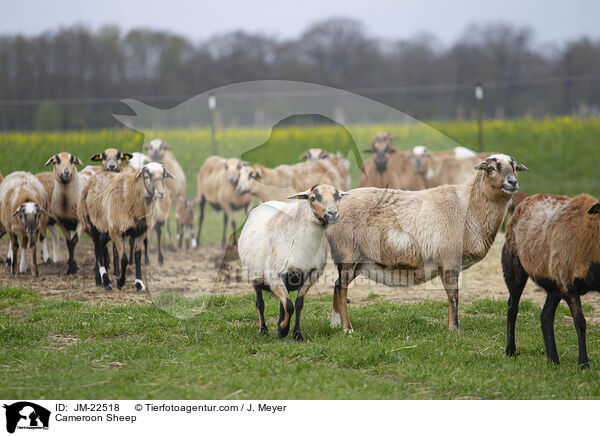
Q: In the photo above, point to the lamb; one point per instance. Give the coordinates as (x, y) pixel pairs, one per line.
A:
(47, 180)
(119, 205)
(283, 248)
(65, 197)
(554, 241)
(402, 238)
(23, 211)
(216, 182)
(184, 216)
(284, 180)
(159, 151)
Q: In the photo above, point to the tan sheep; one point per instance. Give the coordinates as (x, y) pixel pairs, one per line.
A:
(119, 205)
(216, 184)
(23, 212)
(554, 241)
(402, 238)
(184, 216)
(47, 180)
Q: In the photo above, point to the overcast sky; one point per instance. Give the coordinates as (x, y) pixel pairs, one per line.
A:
(552, 21)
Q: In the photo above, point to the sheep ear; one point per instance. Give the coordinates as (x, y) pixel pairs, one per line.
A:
(521, 167)
(52, 160)
(258, 171)
(137, 176)
(594, 209)
(343, 194)
(299, 196)
(16, 212)
(391, 150)
(482, 166)
(165, 146)
(303, 156)
(368, 150)
(44, 212)
(126, 156)
(96, 158)
(78, 161)
(168, 175)
(323, 154)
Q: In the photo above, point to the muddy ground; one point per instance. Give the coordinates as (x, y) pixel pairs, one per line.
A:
(193, 272)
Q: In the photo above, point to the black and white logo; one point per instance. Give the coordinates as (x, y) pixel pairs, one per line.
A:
(26, 415)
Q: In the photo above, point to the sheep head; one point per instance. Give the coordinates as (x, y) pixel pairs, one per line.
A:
(314, 154)
(419, 155)
(232, 168)
(323, 201)
(29, 215)
(156, 149)
(501, 172)
(112, 159)
(249, 176)
(153, 176)
(382, 147)
(65, 165)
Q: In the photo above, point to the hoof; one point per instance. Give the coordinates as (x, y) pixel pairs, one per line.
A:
(298, 336)
(585, 365)
(349, 331)
(139, 285)
(108, 287)
(73, 270)
(263, 331)
(283, 332)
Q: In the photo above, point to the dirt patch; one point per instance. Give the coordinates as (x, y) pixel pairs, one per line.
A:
(196, 272)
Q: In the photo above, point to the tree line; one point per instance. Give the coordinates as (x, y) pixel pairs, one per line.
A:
(72, 78)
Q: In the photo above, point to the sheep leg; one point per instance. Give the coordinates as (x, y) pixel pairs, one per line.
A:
(117, 239)
(299, 303)
(34, 266)
(139, 283)
(260, 308)
(55, 244)
(201, 205)
(547, 320)
(115, 259)
(579, 320)
(286, 308)
(9, 255)
(23, 263)
(339, 314)
(15, 248)
(97, 254)
(224, 228)
(71, 243)
(450, 281)
(515, 278)
(45, 254)
(103, 260)
(179, 234)
(158, 228)
(146, 257)
(131, 245)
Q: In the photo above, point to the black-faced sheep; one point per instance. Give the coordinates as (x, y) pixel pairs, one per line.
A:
(283, 248)
(403, 238)
(554, 241)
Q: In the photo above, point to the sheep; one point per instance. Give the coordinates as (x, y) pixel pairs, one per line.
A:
(112, 159)
(554, 241)
(216, 184)
(65, 197)
(119, 205)
(284, 180)
(47, 180)
(283, 248)
(314, 154)
(184, 216)
(159, 151)
(23, 211)
(402, 238)
(448, 167)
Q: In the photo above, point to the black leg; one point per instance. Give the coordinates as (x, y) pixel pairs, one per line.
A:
(283, 331)
(547, 319)
(115, 259)
(72, 265)
(139, 284)
(158, 227)
(580, 326)
(224, 228)
(97, 254)
(297, 335)
(124, 263)
(146, 257)
(233, 229)
(103, 240)
(260, 308)
(131, 244)
(200, 219)
(515, 278)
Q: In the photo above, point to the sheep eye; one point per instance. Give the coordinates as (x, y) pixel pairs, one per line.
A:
(312, 198)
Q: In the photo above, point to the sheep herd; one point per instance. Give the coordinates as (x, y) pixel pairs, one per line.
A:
(416, 215)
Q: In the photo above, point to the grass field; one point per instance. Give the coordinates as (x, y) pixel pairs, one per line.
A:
(58, 349)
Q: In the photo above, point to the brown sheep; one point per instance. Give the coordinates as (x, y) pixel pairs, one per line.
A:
(184, 216)
(23, 211)
(554, 241)
(402, 238)
(216, 184)
(119, 205)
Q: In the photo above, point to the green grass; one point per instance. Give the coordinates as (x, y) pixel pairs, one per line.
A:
(58, 349)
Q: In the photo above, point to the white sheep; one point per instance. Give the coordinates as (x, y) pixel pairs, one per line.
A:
(283, 248)
(23, 204)
(403, 238)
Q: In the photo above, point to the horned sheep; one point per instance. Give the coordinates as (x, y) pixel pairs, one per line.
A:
(23, 212)
(554, 241)
(402, 238)
(283, 248)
